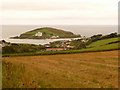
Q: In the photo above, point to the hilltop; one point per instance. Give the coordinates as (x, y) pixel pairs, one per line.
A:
(46, 33)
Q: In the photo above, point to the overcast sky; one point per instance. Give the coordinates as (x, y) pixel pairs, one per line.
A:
(60, 12)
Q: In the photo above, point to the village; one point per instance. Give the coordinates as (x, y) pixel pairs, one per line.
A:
(52, 46)
(64, 45)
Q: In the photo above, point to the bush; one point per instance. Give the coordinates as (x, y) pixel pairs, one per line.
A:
(21, 48)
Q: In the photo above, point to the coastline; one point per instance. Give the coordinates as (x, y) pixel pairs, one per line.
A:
(36, 41)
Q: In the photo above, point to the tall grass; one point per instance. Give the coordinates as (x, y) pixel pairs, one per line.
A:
(12, 75)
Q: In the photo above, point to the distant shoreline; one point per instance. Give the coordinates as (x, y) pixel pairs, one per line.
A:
(43, 39)
(35, 41)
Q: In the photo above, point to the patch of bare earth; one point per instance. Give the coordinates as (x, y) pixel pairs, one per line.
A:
(83, 70)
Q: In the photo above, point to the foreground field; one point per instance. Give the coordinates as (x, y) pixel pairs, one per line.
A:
(84, 70)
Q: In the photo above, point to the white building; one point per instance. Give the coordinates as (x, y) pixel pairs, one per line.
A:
(38, 34)
(55, 37)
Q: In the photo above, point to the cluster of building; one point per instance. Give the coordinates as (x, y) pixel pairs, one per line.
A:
(40, 34)
(55, 37)
(65, 45)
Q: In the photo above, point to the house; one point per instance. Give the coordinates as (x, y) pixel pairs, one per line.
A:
(54, 49)
(47, 45)
(83, 40)
(69, 47)
(68, 42)
(54, 37)
(57, 45)
(38, 34)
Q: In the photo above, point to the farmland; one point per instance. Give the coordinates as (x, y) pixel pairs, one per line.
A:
(103, 42)
(83, 70)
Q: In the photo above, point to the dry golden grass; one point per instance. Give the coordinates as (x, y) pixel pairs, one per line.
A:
(84, 70)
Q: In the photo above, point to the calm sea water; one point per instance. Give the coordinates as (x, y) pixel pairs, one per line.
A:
(83, 30)
(35, 41)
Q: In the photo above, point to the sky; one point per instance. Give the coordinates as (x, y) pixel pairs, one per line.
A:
(59, 12)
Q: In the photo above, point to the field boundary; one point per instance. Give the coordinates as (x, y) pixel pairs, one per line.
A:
(54, 53)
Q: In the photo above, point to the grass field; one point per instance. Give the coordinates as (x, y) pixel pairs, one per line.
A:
(43, 31)
(83, 70)
(103, 42)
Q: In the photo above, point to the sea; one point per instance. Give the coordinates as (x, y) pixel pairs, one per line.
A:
(84, 30)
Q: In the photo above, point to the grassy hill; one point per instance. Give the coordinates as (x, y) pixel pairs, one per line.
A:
(48, 33)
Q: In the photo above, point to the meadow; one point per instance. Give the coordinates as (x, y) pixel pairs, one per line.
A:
(83, 70)
(103, 42)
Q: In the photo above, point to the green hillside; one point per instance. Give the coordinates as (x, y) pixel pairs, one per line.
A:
(104, 47)
(48, 32)
(43, 31)
(105, 42)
